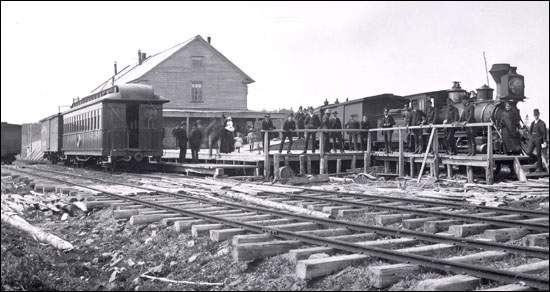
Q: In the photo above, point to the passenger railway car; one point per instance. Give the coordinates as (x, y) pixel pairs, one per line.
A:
(11, 142)
(122, 123)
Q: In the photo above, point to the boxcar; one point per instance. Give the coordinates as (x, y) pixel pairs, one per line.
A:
(11, 141)
(51, 135)
(123, 122)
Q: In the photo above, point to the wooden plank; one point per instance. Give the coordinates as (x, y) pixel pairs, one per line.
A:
(257, 250)
(150, 218)
(391, 218)
(302, 159)
(540, 239)
(476, 228)
(520, 173)
(426, 155)
(367, 156)
(435, 164)
(338, 165)
(353, 161)
(411, 165)
(470, 173)
(509, 287)
(416, 222)
(309, 269)
(449, 171)
(505, 234)
(276, 165)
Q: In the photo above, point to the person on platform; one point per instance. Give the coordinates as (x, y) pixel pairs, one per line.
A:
(509, 125)
(227, 144)
(251, 139)
(364, 125)
(336, 124)
(431, 118)
(387, 122)
(238, 142)
(195, 140)
(326, 101)
(325, 124)
(300, 121)
(337, 101)
(468, 117)
(415, 119)
(180, 134)
(288, 131)
(267, 125)
(538, 139)
(353, 136)
(312, 122)
(451, 117)
(406, 113)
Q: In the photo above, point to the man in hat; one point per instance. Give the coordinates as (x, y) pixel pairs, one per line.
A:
(300, 121)
(468, 117)
(353, 136)
(336, 124)
(325, 124)
(267, 125)
(387, 122)
(430, 119)
(180, 134)
(288, 127)
(538, 139)
(451, 117)
(415, 119)
(195, 140)
(312, 122)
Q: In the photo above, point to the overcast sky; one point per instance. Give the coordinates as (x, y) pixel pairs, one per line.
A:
(298, 53)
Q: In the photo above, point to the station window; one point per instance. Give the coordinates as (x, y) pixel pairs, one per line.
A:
(196, 61)
(196, 91)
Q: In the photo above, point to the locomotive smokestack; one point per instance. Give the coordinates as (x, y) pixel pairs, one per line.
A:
(208, 39)
(139, 57)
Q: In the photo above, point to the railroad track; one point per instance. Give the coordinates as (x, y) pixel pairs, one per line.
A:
(276, 232)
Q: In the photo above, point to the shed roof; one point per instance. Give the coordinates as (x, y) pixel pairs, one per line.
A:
(133, 72)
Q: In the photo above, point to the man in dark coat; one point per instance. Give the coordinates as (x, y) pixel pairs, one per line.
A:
(364, 125)
(195, 140)
(325, 124)
(267, 125)
(336, 124)
(288, 127)
(387, 122)
(415, 119)
(406, 113)
(468, 117)
(451, 117)
(353, 136)
(538, 139)
(300, 121)
(180, 134)
(431, 118)
(312, 122)
(509, 124)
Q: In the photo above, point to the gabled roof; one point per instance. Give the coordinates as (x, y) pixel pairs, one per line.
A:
(133, 72)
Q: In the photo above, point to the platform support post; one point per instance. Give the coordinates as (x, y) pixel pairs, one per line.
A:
(286, 160)
(308, 168)
(322, 156)
(401, 161)
(353, 161)
(490, 161)
(449, 171)
(266, 155)
(386, 166)
(435, 164)
(411, 163)
(367, 157)
(338, 165)
(470, 173)
(302, 164)
(276, 164)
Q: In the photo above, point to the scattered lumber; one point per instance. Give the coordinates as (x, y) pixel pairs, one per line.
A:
(162, 279)
(38, 234)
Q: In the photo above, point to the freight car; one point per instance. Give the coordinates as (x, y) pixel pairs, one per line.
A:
(11, 142)
(119, 124)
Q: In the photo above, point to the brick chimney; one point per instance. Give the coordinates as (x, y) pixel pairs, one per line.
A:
(208, 39)
(140, 56)
(116, 70)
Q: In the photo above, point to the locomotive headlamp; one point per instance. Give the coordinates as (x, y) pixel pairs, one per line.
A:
(516, 86)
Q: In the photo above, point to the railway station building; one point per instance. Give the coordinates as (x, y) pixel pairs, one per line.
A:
(199, 82)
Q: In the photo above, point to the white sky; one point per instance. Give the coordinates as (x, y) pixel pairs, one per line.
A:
(298, 53)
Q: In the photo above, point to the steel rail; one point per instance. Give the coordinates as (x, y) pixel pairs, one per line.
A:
(464, 242)
(422, 201)
(435, 263)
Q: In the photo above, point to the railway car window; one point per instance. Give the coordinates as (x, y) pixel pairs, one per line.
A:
(196, 91)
